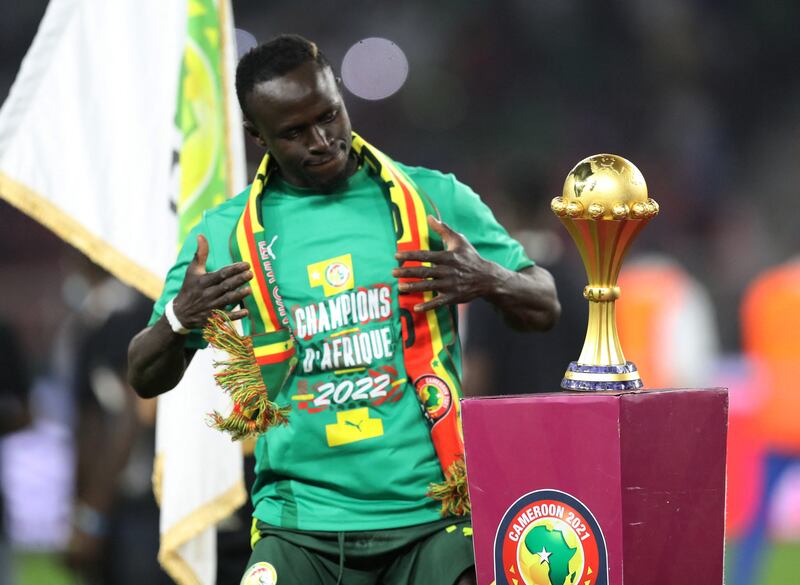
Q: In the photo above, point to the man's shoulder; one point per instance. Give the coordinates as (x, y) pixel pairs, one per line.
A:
(230, 209)
(426, 176)
(444, 189)
(218, 221)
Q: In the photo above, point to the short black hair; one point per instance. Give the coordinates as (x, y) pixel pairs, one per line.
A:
(277, 57)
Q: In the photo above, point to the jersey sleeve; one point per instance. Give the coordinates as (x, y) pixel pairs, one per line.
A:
(174, 280)
(464, 211)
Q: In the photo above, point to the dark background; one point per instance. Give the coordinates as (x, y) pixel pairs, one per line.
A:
(701, 95)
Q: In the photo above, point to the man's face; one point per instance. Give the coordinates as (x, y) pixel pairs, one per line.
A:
(301, 119)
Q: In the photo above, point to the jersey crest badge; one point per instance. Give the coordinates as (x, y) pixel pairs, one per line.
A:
(334, 275)
(260, 574)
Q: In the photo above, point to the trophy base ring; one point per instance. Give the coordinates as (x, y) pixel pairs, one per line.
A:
(589, 378)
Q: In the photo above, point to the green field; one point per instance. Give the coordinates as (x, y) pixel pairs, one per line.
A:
(781, 564)
(782, 567)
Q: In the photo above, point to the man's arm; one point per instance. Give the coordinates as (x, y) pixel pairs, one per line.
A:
(527, 299)
(157, 357)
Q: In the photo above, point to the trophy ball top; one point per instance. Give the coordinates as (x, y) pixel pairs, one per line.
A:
(605, 187)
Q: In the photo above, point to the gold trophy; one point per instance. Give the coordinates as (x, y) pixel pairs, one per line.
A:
(604, 205)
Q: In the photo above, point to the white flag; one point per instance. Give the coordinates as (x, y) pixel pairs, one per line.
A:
(120, 128)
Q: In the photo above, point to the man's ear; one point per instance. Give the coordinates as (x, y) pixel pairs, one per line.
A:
(252, 131)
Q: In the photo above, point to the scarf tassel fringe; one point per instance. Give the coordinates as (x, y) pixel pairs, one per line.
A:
(253, 412)
(452, 493)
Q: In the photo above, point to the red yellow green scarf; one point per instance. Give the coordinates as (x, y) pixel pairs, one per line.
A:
(259, 365)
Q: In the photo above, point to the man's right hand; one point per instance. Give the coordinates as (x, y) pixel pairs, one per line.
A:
(202, 291)
(157, 357)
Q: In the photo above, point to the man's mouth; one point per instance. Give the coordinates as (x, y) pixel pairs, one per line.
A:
(324, 160)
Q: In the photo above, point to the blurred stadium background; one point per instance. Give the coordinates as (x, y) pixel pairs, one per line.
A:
(703, 96)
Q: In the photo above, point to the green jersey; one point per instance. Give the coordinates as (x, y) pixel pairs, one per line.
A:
(357, 452)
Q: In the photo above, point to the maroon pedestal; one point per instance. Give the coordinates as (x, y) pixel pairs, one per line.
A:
(559, 482)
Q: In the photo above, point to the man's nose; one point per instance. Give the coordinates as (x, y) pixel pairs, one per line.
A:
(320, 142)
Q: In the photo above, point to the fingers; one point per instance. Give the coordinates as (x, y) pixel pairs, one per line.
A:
(437, 301)
(436, 257)
(200, 256)
(422, 271)
(229, 283)
(203, 292)
(227, 272)
(449, 236)
(231, 297)
(425, 285)
(237, 314)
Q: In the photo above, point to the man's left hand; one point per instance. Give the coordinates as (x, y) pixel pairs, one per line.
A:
(458, 274)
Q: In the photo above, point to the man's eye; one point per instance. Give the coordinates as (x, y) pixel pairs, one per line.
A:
(291, 134)
(329, 117)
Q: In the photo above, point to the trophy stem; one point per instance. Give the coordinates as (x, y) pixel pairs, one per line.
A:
(602, 365)
(601, 346)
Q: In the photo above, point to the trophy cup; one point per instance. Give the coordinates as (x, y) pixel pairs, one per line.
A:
(604, 205)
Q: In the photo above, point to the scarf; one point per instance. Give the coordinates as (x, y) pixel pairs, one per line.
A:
(258, 366)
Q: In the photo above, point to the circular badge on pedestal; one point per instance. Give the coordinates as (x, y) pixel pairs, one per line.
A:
(548, 537)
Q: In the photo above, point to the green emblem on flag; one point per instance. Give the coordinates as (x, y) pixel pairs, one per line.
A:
(200, 118)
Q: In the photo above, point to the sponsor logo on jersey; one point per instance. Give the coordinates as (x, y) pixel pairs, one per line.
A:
(352, 426)
(334, 275)
(260, 574)
(434, 396)
(548, 537)
(266, 249)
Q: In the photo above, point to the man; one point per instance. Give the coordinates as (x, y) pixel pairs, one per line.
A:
(769, 320)
(362, 286)
(115, 528)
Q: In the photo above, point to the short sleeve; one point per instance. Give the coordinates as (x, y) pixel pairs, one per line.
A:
(466, 213)
(174, 281)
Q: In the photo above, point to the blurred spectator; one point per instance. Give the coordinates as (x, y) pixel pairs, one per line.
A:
(115, 530)
(666, 323)
(115, 536)
(40, 471)
(14, 415)
(770, 322)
